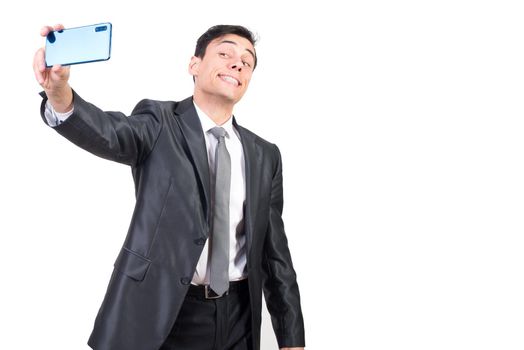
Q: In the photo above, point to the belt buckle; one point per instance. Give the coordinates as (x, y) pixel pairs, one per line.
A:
(210, 293)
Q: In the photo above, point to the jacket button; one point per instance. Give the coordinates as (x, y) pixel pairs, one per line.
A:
(200, 241)
(185, 280)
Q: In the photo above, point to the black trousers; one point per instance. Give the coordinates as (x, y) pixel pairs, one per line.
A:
(213, 324)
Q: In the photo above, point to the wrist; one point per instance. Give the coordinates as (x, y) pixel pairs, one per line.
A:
(61, 99)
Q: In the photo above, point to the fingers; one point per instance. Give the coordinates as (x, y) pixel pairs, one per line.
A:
(40, 55)
(44, 31)
(47, 29)
(39, 65)
(60, 70)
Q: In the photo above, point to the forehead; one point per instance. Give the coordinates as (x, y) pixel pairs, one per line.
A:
(233, 40)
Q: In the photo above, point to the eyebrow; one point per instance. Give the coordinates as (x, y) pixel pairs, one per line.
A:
(234, 43)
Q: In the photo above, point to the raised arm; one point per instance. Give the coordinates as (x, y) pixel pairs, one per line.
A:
(110, 135)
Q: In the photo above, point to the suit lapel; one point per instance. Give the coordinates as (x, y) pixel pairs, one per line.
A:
(192, 131)
(252, 156)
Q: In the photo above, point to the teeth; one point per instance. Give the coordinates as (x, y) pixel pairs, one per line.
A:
(229, 79)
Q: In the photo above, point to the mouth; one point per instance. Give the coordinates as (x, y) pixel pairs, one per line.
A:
(229, 79)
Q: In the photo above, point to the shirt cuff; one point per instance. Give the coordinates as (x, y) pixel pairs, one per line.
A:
(53, 117)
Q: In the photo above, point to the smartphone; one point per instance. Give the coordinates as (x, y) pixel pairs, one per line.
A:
(79, 45)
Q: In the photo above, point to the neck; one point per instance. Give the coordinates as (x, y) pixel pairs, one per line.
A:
(216, 108)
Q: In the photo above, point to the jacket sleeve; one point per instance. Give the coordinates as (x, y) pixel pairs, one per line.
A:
(280, 285)
(112, 135)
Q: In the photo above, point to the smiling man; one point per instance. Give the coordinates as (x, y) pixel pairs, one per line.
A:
(206, 239)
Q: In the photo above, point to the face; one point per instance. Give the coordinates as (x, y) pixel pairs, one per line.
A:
(226, 68)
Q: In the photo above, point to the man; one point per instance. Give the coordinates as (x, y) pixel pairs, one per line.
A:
(206, 235)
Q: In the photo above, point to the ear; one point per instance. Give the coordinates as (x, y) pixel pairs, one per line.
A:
(194, 64)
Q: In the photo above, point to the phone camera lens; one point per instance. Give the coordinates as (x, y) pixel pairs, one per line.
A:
(51, 37)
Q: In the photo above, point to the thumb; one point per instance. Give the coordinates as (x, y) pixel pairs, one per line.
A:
(59, 70)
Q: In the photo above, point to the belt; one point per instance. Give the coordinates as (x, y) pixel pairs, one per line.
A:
(205, 292)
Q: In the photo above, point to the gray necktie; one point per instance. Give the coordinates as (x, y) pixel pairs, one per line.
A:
(219, 261)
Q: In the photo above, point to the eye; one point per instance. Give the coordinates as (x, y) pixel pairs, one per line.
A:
(246, 64)
(222, 54)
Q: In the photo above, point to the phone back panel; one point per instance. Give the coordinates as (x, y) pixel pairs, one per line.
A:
(79, 45)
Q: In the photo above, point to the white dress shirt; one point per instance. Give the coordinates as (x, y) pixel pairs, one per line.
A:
(237, 238)
(53, 117)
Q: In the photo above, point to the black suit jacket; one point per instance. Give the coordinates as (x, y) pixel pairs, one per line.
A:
(164, 144)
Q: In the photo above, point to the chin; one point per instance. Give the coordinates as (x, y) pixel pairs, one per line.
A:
(234, 98)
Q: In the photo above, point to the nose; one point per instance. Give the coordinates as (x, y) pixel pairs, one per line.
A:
(236, 66)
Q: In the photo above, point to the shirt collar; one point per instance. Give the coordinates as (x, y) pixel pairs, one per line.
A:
(208, 123)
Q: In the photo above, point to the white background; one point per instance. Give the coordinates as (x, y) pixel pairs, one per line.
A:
(400, 125)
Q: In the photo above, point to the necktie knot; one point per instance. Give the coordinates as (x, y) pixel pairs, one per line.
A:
(218, 132)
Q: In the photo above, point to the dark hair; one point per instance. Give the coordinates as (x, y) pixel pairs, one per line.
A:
(219, 31)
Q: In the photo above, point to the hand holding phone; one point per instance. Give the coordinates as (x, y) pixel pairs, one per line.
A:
(85, 44)
(55, 81)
